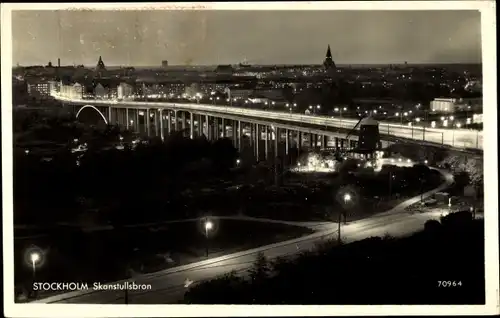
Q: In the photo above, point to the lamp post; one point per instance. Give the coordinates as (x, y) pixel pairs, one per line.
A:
(34, 257)
(208, 226)
(401, 114)
(337, 109)
(347, 199)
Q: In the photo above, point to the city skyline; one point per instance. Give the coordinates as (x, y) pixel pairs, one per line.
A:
(145, 38)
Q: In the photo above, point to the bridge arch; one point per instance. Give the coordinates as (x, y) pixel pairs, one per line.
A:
(95, 108)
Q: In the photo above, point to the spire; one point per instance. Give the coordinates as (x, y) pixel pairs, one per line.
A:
(328, 63)
(328, 52)
(100, 64)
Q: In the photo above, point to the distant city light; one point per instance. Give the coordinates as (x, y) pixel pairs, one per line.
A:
(459, 125)
(452, 118)
(433, 124)
(417, 119)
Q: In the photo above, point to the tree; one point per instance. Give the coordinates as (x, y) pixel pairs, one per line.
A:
(224, 154)
(261, 268)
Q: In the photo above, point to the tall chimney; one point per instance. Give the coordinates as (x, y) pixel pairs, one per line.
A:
(58, 62)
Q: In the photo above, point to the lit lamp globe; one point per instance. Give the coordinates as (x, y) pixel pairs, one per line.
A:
(347, 197)
(208, 226)
(34, 257)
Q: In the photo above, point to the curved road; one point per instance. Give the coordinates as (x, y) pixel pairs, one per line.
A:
(456, 138)
(168, 286)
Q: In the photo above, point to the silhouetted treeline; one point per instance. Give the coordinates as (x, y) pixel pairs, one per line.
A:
(146, 178)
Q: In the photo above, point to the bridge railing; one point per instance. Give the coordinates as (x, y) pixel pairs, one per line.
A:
(456, 138)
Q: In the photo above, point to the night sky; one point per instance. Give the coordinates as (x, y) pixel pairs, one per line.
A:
(145, 38)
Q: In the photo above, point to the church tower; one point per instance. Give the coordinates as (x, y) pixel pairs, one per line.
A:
(100, 65)
(328, 62)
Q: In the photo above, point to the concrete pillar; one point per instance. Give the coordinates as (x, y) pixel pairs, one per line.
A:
(137, 120)
(336, 143)
(216, 128)
(266, 141)
(126, 118)
(287, 141)
(110, 121)
(252, 132)
(299, 140)
(277, 134)
(176, 121)
(207, 127)
(162, 130)
(169, 122)
(277, 163)
(257, 140)
(200, 125)
(324, 142)
(183, 122)
(191, 125)
(240, 132)
(155, 114)
(148, 122)
(223, 127)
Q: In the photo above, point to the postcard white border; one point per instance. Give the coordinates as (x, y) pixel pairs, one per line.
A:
(488, 29)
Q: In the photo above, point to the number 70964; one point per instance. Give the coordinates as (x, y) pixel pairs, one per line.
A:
(449, 283)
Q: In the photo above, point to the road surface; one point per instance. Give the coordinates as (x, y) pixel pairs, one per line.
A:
(457, 138)
(168, 286)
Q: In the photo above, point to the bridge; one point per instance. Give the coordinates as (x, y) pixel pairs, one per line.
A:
(216, 121)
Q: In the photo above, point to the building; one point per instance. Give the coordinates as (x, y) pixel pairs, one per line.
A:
(328, 63)
(125, 91)
(100, 65)
(271, 94)
(41, 89)
(369, 135)
(164, 64)
(451, 105)
(239, 93)
(226, 70)
(74, 91)
(100, 91)
(443, 105)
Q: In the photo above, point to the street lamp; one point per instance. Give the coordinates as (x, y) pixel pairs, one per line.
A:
(337, 109)
(34, 258)
(208, 227)
(401, 116)
(347, 198)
